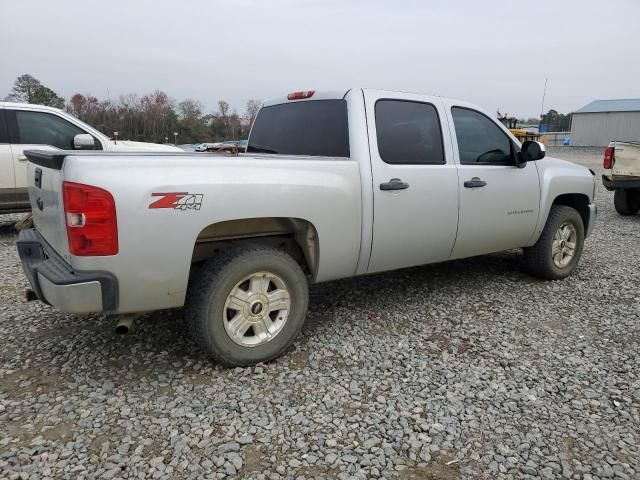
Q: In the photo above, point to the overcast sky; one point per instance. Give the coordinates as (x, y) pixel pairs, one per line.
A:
(492, 53)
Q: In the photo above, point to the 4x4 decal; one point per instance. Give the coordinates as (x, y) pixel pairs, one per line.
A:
(178, 200)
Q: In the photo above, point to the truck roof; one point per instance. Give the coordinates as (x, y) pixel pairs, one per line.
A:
(317, 95)
(29, 106)
(340, 93)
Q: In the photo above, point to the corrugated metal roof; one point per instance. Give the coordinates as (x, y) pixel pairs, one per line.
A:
(616, 105)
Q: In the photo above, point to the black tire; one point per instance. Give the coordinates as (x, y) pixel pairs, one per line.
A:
(626, 202)
(539, 259)
(210, 287)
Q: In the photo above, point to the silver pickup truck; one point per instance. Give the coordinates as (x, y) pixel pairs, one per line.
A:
(333, 184)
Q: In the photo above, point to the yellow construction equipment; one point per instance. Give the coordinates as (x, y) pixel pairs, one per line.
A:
(520, 133)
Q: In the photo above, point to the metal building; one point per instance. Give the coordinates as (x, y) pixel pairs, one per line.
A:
(596, 124)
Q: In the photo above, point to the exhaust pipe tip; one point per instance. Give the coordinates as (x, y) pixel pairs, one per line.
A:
(122, 329)
(125, 325)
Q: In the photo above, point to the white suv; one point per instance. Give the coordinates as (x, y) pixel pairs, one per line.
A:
(26, 126)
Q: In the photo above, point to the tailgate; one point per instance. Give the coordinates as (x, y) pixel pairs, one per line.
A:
(44, 177)
(627, 159)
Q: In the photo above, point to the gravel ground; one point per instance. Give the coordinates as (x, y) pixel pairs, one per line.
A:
(470, 369)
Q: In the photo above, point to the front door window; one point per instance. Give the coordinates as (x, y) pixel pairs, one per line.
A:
(480, 140)
(39, 128)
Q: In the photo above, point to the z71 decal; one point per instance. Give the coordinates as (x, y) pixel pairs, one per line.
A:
(178, 200)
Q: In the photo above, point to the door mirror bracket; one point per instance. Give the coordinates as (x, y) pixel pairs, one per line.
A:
(520, 160)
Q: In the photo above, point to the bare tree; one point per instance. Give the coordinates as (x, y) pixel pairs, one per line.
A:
(223, 108)
(155, 116)
(251, 111)
(189, 109)
(235, 127)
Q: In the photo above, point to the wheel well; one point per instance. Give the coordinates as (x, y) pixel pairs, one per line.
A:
(578, 201)
(296, 236)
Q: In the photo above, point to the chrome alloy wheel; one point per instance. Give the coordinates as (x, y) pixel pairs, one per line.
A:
(563, 247)
(256, 309)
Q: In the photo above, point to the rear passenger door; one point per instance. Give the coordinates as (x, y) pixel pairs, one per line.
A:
(415, 182)
(499, 202)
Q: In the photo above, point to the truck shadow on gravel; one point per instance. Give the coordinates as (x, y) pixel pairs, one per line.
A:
(160, 341)
(7, 228)
(366, 297)
(435, 278)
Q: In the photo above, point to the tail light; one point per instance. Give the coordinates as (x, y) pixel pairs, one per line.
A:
(301, 95)
(90, 213)
(607, 162)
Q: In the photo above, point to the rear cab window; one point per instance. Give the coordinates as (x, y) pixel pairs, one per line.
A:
(312, 127)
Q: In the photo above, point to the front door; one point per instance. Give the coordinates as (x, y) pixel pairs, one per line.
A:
(499, 202)
(7, 177)
(30, 129)
(415, 182)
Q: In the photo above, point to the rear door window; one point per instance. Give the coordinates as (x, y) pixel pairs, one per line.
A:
(408, 132)
(315, 127)
(39, 128)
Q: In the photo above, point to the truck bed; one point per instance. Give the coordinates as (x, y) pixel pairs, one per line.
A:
(324, 191)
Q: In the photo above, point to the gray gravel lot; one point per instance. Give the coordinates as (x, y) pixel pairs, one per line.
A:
(470, 369)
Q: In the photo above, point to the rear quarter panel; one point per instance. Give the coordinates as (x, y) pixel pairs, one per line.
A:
(156, 245)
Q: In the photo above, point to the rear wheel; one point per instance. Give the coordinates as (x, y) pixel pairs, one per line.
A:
(557, 252)
(247, 306)
(626, 202)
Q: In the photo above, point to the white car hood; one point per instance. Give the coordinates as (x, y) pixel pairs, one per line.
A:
(129, 146)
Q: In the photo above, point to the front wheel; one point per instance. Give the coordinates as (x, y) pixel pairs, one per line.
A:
(557, 252)
(626, 202)
(247, 306)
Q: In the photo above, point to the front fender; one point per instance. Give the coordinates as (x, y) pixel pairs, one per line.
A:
(557, 178)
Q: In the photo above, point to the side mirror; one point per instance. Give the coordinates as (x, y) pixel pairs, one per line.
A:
(532, 150)
(84, 141)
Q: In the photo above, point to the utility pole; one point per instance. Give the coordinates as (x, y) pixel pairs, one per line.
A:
(544, 94)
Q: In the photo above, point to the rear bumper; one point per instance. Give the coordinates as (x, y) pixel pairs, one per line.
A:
(617, 184)
(57, 284)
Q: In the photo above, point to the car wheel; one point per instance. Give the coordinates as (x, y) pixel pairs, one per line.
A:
(626, 202)
(246, 306)
(557, 252)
